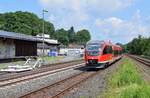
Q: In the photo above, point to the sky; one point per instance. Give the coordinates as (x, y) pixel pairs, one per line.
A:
(114, 20)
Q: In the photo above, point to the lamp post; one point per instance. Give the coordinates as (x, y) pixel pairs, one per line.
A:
(43, 11)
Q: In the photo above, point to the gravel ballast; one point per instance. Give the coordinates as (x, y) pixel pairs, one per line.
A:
(94, 86)
(20, 89)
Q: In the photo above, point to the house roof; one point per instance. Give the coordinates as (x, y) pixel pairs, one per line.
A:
(46, 46)
(47, 39)
(19, 36)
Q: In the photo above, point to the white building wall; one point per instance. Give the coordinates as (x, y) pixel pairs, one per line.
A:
(40, 52)
(71, 51)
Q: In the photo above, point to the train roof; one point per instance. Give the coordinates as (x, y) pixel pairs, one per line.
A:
(104, 42)
(117, 47)
(95, 42)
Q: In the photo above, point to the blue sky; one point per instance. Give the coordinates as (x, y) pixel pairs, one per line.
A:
(115, 20)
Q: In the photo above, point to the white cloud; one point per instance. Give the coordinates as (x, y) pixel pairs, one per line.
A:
(93, 4)
(114, 28)
(108, 5)
(52, 18)
(67, 12)
(81, 10)
(82, 14)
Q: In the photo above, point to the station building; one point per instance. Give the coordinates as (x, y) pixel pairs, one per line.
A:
(50, 45)
(16, 45)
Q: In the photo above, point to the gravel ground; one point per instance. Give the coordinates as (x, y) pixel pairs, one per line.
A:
(144, 71)
(94, 86)
(19, 89)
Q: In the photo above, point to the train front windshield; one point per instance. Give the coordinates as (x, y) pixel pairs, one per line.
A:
(93, 47)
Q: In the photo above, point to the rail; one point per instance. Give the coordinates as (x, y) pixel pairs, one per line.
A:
(58, 89)
(19, 77)
(140, 59)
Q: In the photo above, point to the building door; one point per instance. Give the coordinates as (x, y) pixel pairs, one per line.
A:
(25, 48)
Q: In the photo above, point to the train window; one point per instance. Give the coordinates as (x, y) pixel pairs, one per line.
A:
(115, 52)
(109, 49)
(105, 50)
(93, 47)
(119, 52)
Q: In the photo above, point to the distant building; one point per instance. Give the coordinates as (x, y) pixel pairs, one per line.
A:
(16, 45)
(50, 45)
(72, 50)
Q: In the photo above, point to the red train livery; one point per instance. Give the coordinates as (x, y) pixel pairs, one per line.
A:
(99, 54)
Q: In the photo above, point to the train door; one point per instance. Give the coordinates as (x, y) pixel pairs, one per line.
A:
(107, 53)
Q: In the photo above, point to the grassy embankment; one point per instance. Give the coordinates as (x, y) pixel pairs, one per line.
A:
(127, 83)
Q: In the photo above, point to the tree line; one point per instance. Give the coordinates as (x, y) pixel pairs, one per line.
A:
(70, 36)
(138, 46)
(31, 24)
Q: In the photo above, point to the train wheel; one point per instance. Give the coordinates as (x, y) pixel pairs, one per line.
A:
(87, 64)
(106, 65)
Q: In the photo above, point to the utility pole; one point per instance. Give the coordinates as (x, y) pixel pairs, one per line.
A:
(43, 11)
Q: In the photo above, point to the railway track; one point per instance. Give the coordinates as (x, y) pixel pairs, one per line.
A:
(140, 59)
(12, 78)
(58, 89)
(143, 66)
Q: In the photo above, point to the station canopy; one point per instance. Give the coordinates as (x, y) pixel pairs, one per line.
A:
(18, 36)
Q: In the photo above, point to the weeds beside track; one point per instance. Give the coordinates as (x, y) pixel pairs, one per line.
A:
(127, 83)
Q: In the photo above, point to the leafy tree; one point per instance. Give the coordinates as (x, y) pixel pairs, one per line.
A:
(83, 36)
(139, 46)
(31, 24)
(49, 29)
(24, 22)
(71, 35)
(62, 36)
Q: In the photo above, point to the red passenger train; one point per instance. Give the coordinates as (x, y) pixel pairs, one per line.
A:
(99, 54)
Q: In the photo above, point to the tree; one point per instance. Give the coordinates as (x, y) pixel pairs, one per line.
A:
(71, 35)
(62, 36)
(139, 46)
(83, 36)
(24, 22)
(29, 23)
(49, 29)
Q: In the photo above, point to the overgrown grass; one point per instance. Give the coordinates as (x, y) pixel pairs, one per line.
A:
(127, 83)
(126, 75)
(2, 66)
(48, 58)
